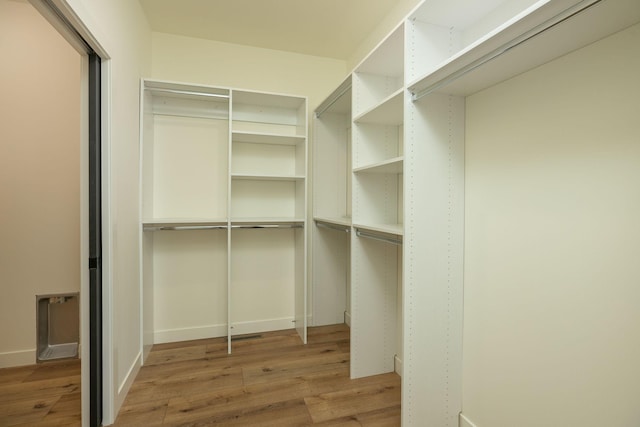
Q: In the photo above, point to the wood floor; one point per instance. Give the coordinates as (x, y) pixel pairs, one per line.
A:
(270, 380)
(46, 394)
(273, 380)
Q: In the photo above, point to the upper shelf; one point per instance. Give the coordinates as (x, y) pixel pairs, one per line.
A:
(261, 177)
(539, 34)
(267, 138)
(387, 58)
(388, 112)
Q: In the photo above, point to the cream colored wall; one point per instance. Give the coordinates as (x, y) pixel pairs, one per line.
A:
(121, 27)
(192, 60)
(39, 174)
(552, 243)
(391, 20)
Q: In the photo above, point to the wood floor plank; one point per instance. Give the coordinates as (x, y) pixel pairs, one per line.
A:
(282, 414)
(149, 413)
(39, 389)
(271, 370)
(333, 381)
(355, 400)
(65, 412)
(386, 417)
(270, 380)
(15, 375)
(52, 370)
(170, 355)
(166, 388)
(26, 411)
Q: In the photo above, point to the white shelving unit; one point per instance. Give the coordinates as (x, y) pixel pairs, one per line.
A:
(223, 211)
(378, 180)
(407, 115)
(332, 208)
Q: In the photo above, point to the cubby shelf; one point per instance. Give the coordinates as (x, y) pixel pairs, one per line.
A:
(388, 112)
(394, 165)
(258, 177)
(267, 138)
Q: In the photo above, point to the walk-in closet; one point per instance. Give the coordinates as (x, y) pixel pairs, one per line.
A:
(364, 212)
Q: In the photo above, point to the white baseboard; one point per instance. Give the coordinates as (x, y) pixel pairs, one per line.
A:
(465, 422)
(257, 326)
(188, 334)
(12, 359)
(214, 331)
(126, 384)
(347, 318)
(397, 365)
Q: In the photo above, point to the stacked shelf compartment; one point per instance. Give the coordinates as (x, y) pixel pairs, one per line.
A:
(267, 210)
(378, 175)
(268, 157)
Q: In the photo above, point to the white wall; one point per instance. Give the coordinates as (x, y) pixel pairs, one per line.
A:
(39, 174)
(121, 28)
(390, 21)
(245, 67)
(552, 243)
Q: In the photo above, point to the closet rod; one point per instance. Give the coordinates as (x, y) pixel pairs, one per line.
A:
(535, 31)
(183, 227)
(268, 226)
(397, 241)
(189, 92)
(333, 101)
(333, 226)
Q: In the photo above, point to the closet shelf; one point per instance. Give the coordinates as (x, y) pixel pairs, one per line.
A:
(394, 165)
(396, 229)
(267, 138)
(266, 222)
(388, 112)
(338, 220)
(335, 227)
(530, 39)
(257, 177)
(175, 222)
(381, 237)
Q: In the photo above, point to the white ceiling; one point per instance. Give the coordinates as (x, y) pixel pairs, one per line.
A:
(329, 28)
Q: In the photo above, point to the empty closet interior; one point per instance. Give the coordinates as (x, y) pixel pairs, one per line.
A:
(224, 201)
(224, 212)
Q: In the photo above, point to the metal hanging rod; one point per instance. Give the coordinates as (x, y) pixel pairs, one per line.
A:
(189, 92)
(330, 226)
(268, 226)
(396, 241)
(333, 101)
(539, 29)
(183, 227)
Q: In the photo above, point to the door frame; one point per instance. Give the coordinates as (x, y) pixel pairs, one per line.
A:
(73, 24)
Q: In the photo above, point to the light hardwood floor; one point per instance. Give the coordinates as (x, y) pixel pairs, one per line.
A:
(270, 380)
(273, 380)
